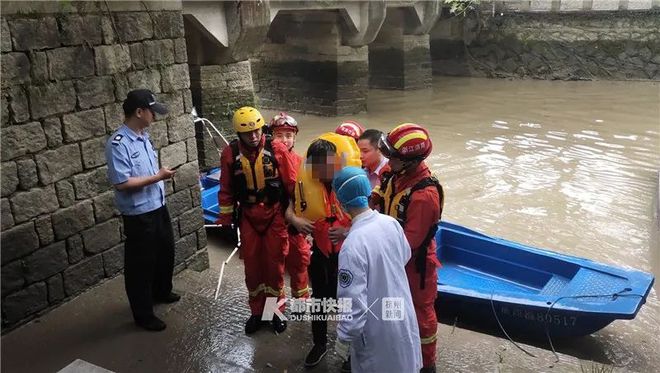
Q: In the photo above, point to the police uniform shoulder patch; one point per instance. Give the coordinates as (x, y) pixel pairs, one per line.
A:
(345, 278)
(117, 139)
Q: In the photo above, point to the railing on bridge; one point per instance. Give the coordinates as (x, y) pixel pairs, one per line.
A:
(571, 5)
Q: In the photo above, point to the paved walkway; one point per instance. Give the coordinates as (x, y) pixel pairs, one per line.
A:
(205, 335)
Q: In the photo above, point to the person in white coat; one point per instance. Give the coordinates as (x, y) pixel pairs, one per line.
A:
(380, 330)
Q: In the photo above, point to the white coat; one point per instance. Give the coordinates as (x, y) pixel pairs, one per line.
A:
(372, 267)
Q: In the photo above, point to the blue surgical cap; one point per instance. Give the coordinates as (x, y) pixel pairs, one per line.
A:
(352, 187)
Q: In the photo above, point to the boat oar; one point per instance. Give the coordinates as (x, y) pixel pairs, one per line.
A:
(222, 267)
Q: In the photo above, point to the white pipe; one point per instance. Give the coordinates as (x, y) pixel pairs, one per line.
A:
(217, 288)
(207, 130)
(222, 268)
(206, 121)
(222, 271)
(216, 130)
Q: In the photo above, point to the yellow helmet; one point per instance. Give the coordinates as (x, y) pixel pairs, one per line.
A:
(247, 119)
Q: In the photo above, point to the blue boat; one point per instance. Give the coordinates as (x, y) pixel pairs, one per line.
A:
(210, 185)
(209, 182)
(532, 292)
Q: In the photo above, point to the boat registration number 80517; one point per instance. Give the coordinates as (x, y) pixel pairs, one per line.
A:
(539, 316)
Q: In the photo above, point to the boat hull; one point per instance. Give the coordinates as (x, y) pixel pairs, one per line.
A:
(516, 319)
(494, 283)
(210, 187)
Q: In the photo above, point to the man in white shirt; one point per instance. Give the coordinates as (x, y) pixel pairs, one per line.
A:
(373, 161)
(379, 332)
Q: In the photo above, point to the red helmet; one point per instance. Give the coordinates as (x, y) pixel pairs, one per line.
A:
(350, 128)
(283, 120)
(406, 141)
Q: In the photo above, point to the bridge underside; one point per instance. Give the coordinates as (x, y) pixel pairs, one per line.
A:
(322, 57)
(310, 57)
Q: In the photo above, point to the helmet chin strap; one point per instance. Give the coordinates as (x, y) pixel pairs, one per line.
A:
(407, 165)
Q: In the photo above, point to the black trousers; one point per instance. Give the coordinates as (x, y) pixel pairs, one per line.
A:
(323, 275)
(148, 259)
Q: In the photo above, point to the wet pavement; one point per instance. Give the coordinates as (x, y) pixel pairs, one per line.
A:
(203, 334)
(206, 335)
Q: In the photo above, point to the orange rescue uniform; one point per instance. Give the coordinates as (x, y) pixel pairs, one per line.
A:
(264, 237)
(422, 213)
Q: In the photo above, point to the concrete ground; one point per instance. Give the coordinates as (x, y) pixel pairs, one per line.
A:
(205, 335)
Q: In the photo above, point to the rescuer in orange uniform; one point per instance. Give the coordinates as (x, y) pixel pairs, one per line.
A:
(254, 174)
(285, 129)
(415, 198)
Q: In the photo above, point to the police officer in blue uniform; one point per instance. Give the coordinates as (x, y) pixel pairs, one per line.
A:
(140, 197)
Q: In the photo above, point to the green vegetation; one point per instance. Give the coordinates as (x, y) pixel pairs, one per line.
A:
(460, 7)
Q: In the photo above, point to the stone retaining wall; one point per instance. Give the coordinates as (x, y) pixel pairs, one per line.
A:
(621, 45)
(65, 73)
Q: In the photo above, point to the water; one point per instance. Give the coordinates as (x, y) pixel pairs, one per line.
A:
(568, 166)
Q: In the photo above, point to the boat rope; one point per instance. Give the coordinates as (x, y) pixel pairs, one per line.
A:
(492, 305)
(614, 296)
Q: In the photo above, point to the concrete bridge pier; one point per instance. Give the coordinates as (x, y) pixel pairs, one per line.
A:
(217, 90)
(220, 38)
(304, 66)
(400, 56)
(302, 56)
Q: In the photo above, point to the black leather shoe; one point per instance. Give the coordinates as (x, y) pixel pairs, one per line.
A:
(278, 325)
(253, 324)
(169, 298)
(153, 324)
(315, 355)
(430, 369)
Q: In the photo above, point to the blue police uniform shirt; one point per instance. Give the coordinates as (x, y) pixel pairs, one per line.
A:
(131, 155)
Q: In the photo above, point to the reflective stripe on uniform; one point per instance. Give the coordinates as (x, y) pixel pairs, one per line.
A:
(274, 292)
(226, 209)
(430, 339)
(301, 292)
(258, 290)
